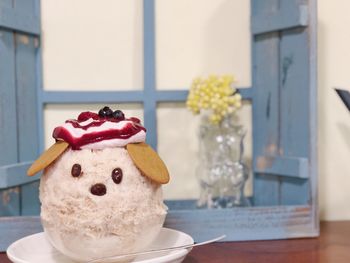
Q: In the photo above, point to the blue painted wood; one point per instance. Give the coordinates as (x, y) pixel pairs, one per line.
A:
(247, 93)
(9, 198)
(150, 123)
(12, 19)
(181, 95)
(19, 16)
(15, 174)
(245, 223)
(266, 190)
(6, 3)
(10, 202)
(171, 95)
(77, 97)
(40, 101)
(28, 140)
(265, 113)
(282, 166)
(289, 14)
(260, 223)
(149, 69)
(187, 204)
(295, 112)
(25, 7)
(8, 132)
(262, 8)
(37, 10)
(295, 191)
(30, 192)
(265, 106)
(26, 97)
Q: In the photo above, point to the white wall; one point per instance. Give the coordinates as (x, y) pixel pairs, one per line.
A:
(89, 45)
(100, 47)
(334, 120)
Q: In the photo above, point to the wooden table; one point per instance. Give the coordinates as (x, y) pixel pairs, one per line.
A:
(332, 246)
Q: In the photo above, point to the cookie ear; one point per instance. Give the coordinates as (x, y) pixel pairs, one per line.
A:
(149, 162)
(48, 157)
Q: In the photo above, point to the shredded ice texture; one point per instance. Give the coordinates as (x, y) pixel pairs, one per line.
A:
(77, 222)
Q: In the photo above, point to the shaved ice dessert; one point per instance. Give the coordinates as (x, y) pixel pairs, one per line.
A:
(100, 191)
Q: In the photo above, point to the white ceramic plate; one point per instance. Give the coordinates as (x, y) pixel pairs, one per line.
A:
(36, 249)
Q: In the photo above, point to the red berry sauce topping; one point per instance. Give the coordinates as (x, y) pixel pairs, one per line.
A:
(108, 128)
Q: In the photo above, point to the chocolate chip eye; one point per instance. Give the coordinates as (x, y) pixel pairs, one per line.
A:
(117, 175)
(76, 170)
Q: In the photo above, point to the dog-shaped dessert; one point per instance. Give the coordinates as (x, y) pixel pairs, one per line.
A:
(101, 202)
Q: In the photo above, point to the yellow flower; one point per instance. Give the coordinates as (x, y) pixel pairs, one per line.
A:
(216, 94)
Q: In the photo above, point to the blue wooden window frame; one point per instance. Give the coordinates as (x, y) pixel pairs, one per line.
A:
(149, 97)
(272, 20)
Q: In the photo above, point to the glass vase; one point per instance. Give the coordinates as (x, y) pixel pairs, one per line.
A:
(221, 172)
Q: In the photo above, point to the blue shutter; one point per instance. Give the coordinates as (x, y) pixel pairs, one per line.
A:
(284, 103)
(19, 42)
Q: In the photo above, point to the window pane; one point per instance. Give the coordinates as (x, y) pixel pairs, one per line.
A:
(55, 115)
(98, 45)
(201, 37)
(178, 146)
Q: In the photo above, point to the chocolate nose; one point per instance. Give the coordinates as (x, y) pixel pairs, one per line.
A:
(98, 189)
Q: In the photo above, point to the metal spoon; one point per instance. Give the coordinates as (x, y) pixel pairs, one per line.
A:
(159, 250)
